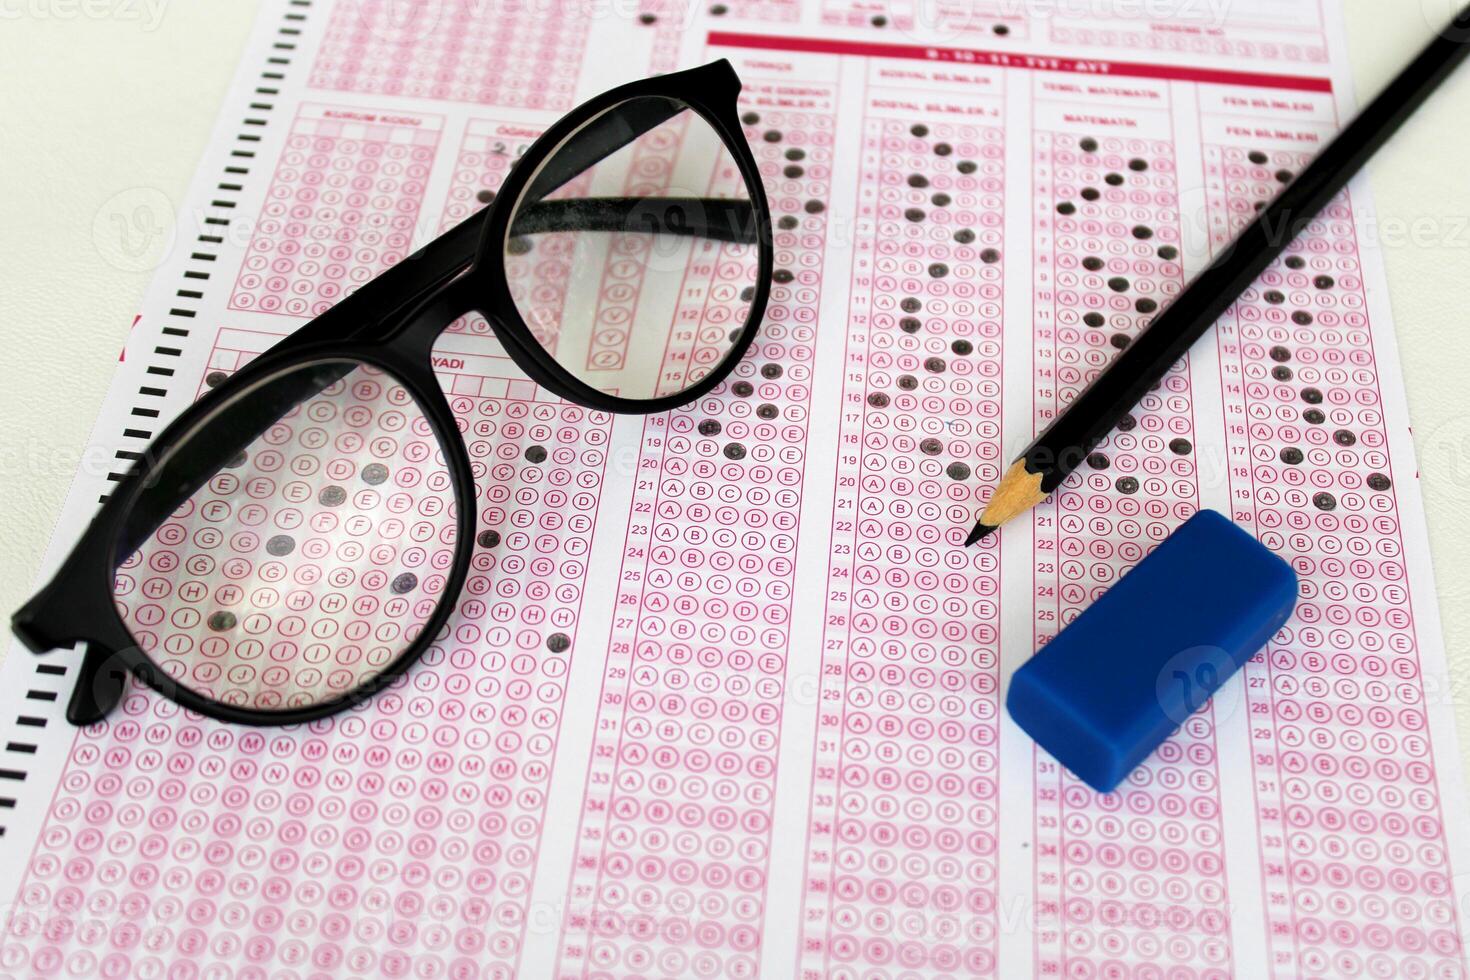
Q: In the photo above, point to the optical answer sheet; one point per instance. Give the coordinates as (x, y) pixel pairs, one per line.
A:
(724, 694)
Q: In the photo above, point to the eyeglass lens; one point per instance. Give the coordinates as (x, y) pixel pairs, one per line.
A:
(293, 546)
(632, 253)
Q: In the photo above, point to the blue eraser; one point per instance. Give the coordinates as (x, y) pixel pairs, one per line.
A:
(1139, 661)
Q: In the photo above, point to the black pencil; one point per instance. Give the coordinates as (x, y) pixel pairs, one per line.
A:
(1087, 421)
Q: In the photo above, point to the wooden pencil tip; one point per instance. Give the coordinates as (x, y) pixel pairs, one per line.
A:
(980, 532)
(1019, 490)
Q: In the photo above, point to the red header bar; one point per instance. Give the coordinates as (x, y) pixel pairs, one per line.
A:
(1013, 59)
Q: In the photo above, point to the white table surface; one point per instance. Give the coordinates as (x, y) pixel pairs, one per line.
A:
(108, 102)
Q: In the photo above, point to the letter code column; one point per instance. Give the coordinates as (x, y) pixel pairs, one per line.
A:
(1354, 864)
(488, 152)
(538, 464)
(671, 863)
(648, 175)
(1139, 873)
(901, 863)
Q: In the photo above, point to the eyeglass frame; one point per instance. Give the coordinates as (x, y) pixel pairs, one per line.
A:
(459, 273)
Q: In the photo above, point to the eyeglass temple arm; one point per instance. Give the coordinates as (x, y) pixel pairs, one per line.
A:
(722, 219)
(408, 282)
(597, 139)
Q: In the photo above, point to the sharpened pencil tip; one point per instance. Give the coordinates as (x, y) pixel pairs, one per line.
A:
(980, 531)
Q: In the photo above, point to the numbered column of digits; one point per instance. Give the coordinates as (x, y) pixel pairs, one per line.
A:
(649, 174)
(521, 55)
(489, 150)
(1137, 874)
(901, 874)
(1356, 874)
(671, 864)
(340, 208)
(715, 292)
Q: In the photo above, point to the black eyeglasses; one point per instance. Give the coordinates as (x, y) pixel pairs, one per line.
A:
(298, 536)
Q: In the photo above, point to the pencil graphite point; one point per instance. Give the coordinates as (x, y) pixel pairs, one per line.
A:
(1019, 490)
(980, 532)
